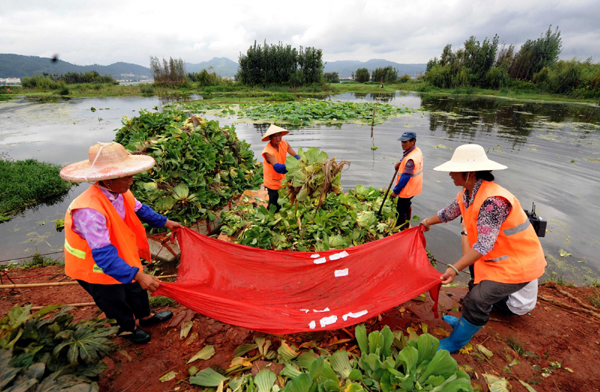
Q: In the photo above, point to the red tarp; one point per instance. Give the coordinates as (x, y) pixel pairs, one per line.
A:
(281, 292)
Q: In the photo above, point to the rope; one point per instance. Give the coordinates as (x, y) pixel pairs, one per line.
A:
(29, 257)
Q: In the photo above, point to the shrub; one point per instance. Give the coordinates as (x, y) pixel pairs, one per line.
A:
(405, 78)
(283, 97)
(496, 78)
(51, 352)
(146, 89)
(332, 77)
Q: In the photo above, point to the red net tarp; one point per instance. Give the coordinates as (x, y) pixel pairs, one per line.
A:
(283, 292)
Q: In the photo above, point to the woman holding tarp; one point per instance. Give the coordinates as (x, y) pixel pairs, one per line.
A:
(503, 246)
(274, 156)
(104, 238)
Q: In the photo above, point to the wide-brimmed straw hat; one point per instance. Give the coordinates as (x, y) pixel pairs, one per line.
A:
(469, 158)
(106, 161)
(273, 129)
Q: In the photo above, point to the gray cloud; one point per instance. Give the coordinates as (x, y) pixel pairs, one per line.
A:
(105, 32)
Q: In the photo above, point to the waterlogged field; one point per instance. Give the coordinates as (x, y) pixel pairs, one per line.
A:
(551, 151)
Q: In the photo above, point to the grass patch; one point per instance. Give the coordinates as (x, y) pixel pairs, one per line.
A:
(515, 345)
(27, 183)
(595, 301)
(553, 277)
(36, 260)
(157, 302)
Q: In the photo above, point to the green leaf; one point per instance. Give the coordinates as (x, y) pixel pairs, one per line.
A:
(485, 351)
(340, 363)
(286, 353)
(181, 192)
(442, 363)
(496, 384)
(243, 349)
(168, 377)
(302, 383)
(361, 337)
(265, 379)
(206, 353)
(186, 327)
(527, 386)
(207, 378)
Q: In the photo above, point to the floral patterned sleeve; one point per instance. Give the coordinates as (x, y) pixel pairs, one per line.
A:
(492, 214)
(449, 213)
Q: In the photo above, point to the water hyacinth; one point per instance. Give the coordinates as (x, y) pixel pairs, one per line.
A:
(315, 214)
(200, 166)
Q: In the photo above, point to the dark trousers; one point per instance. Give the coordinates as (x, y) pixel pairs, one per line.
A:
(500, 306)
(483, 296)
(120, 302)
(404, 211)
(273, 198)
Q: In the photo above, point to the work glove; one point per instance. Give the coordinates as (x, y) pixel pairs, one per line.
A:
(280, 168)
(297, 157)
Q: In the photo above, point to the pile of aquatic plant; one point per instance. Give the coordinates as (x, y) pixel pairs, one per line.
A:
(315, 215)
(315, 111)
(44, 352)
(27, 183)
(387, 361)
(199, 165)
(313, 176)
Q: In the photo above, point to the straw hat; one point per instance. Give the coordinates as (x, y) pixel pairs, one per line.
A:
(469, 158)
(106, 161)
(273, 129)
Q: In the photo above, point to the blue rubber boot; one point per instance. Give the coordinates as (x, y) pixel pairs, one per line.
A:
(460, 336)
(453, 321)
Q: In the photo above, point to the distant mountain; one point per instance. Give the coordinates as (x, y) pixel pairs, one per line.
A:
(222, 66)
(17, 66)
(345, 68)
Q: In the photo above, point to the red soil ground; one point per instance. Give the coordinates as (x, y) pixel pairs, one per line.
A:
(560, 330)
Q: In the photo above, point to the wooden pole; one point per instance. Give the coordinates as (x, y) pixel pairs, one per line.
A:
(26, 285)
(79, 304)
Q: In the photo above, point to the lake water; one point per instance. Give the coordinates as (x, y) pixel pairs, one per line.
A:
(552, 152)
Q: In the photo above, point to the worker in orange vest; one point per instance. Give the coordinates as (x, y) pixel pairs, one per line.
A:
(503, 246)
(104, 238)
(274, 157)
(409, 182)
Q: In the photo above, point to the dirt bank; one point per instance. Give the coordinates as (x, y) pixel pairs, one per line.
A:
(557, 342)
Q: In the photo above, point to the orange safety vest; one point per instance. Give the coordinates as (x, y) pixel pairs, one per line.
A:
(128, 236)
(414, 186)
(271, 178)
(517, 256)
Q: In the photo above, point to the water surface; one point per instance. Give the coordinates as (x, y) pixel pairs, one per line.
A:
(552, 151)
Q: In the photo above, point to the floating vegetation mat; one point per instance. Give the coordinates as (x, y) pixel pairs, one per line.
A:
(28, 183)
(303, 113)
(200, 166)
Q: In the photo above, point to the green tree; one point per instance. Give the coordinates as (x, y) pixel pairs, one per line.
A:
(385, 75)
(361, 75)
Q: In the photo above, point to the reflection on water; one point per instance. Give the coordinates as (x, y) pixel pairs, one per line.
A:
(551, 150)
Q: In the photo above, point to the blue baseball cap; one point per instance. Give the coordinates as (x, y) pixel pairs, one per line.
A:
(407, 136)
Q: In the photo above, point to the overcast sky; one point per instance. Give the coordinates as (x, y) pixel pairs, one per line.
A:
(103, 32)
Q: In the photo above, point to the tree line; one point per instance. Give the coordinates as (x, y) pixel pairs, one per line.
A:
(535, 65)
(56, 81)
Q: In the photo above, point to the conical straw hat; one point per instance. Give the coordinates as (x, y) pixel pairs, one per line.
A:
(273, 129)
(469, 158)
(106, 161)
